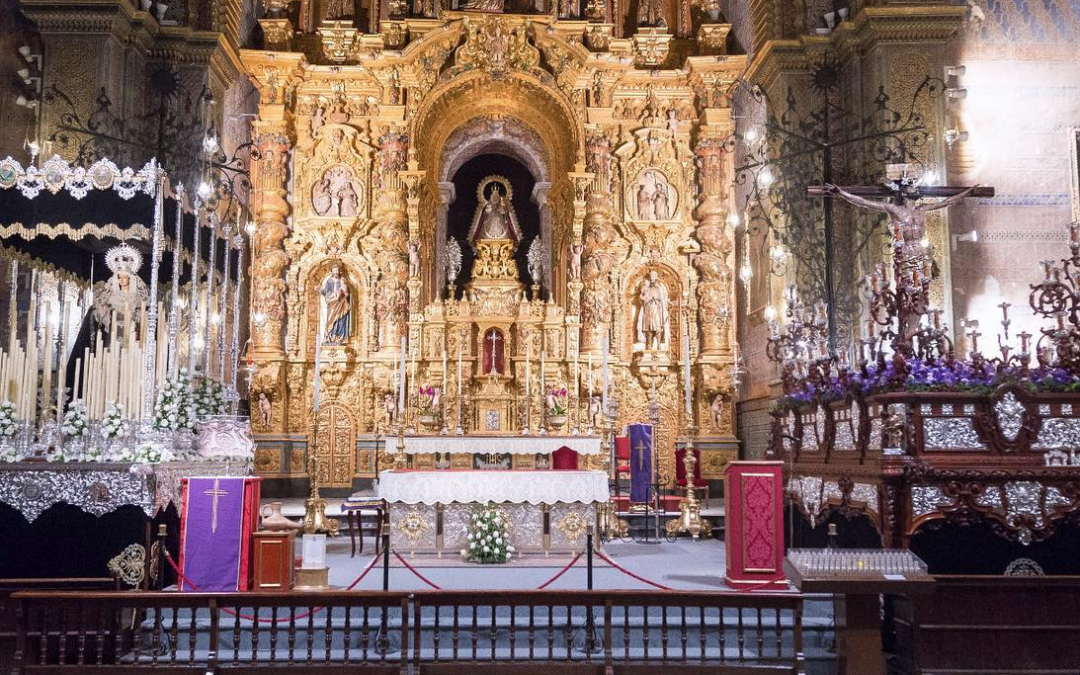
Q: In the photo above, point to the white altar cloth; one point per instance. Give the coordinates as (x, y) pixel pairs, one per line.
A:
(483, 445)
(513, 487)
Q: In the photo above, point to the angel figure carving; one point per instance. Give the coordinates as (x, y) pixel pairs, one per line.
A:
(495, 217)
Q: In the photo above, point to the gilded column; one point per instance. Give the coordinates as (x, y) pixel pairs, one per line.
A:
(713, 263)
(598, 235)
(269, 259)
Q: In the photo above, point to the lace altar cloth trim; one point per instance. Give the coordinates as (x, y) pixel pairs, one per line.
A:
(512, 487)
(482, 445)
(99, 487)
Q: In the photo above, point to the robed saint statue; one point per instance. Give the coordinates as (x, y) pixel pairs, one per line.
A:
(335, 295)
(495, 217)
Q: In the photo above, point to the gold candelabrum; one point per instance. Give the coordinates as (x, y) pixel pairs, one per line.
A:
(607, 519)
(399, 449)
(315, 520)
(689, 520)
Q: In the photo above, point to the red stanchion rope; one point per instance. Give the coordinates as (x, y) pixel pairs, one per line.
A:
(248, 617)
(631, 574)
(559, 574)
(412, 569)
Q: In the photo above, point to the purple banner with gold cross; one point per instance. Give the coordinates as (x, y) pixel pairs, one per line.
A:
(641, 448)
(212, 524)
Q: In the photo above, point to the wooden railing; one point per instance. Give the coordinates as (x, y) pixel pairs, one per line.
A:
(422, 633)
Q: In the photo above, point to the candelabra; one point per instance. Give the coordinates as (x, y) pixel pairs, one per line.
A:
(689, 520)
(802, 348)
(399, 448)
(1057, 296)
(315, 520)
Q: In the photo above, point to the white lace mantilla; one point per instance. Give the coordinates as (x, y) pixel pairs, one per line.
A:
(501, 487)
(483, 445)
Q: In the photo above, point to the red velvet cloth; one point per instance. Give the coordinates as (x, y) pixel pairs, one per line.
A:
(754, 523)
(622, 453)
(680, 468)
(564, 459)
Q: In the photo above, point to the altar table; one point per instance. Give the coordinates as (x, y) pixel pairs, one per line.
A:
(514, 445)
(546, 511)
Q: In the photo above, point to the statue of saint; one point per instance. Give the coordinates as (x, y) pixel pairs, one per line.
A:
(495, 222)
(124, 293)
(495, 217)
(652, 322)
(651, 13)
(335, 293)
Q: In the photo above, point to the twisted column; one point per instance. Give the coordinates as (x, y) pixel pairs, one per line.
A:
(269, 259)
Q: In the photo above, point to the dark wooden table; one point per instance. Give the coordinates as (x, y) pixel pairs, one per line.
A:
(857, 602)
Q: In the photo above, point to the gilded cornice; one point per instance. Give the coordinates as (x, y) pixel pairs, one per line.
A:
(870, 27)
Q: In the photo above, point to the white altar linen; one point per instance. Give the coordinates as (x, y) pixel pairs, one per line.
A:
(484, 445)
(500, 487)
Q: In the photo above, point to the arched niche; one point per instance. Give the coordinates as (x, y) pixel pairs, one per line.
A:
(517, 116)
(313, 283)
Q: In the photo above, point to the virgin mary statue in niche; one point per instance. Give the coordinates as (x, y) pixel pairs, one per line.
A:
(494, 218)
(338, 312)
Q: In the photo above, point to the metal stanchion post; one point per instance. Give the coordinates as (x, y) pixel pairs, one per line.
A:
(163, 551)
(386, 551)
(589, 552)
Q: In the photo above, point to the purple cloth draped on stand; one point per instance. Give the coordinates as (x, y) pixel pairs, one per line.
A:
(641, 475)
(213, 533)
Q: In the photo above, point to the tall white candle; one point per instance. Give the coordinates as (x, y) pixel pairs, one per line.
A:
(401, 375)
(460, 343)
(604, 377)
(528, 365)
(686, 372)
(442, 394)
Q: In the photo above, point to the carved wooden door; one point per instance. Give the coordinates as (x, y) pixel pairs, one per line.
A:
(335, 446)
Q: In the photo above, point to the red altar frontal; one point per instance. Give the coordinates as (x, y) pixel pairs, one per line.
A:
(754, 530)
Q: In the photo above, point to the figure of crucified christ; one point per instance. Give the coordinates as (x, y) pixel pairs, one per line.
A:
(908, 213)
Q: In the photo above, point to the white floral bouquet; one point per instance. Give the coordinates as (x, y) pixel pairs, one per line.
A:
(8, 424)
(175, 409)
(113, 425)
(145, 453)
(210, 398)
(10, 453)
(74, 425)
(488, 542)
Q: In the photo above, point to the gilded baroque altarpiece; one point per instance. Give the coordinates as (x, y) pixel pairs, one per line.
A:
(360, 136)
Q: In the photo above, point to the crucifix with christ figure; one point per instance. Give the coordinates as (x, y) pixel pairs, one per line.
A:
(493, 352)
(899, 199)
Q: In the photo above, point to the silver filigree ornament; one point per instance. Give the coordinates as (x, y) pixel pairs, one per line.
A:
(453, 260)
(952, 433)
(927, 499)
(1058, 433)
(537, 259)
(1010, 416)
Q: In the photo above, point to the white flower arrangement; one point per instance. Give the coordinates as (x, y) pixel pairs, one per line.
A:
(488, 543)
(10, 453)
(113, 425)
(8, 424)
(145, 453)
(210, 398)
(74, 425)
(175, 409)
